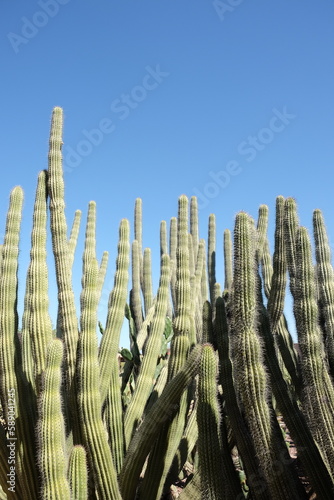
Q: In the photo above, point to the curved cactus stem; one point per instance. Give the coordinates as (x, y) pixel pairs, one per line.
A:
(117, 300)
(164, 409)
(144, 382)
(102, 273)
(72, 242)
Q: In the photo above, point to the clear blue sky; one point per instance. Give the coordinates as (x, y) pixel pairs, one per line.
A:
(232, 101)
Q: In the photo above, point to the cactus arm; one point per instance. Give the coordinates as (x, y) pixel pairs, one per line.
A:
(135, 298)
(37, 322)
(138, 233)
(213, 482)
(147, 280)
(325, 282)
(72, 242)
(89, 398)
(144, 382)
(164, 408)
(308, 451)
(172, 254)
(113, 416)
(77, 473)
(262, 227)
(51, 429)
(163, 238)
(68, 323)
(117, 300)
(291, 224)
(9, 342)
(102, 273)
(245, 444)
(11, 379)
(194, 224)
(90, 240)
(251, 377)
(228, 260)
(212, 256)
(317, 387)
(278, 283)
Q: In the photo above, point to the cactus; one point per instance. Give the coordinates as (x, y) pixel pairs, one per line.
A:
(95, 421)
(89, 396)
(214, 471)
(228, 260)
(318, 389)
(110, 340)
(251, 378)
(325, 280)
(77, 473)
(145, 378)
(51, 430)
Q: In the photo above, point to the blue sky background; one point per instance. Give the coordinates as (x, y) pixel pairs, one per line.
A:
(225, 74)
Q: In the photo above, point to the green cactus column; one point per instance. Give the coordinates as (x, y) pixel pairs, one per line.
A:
(135, 297)
(51, 430)
(144, 382)
(228, 266)
(67, 321)
(216, 482)
(147, 280)
(212, 257)
(77, 473)
(163, 410)
(36, 325)
(110, 340)
(160, 461)
(325, 276)
(73, 239)
(89, 397)
(318, 389)
(251, 378)
(12, 380)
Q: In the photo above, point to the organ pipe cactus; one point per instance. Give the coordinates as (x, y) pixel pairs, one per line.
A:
(90, 423)
(51, 429)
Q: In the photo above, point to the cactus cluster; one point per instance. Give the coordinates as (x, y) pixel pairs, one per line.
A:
(191, 409)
